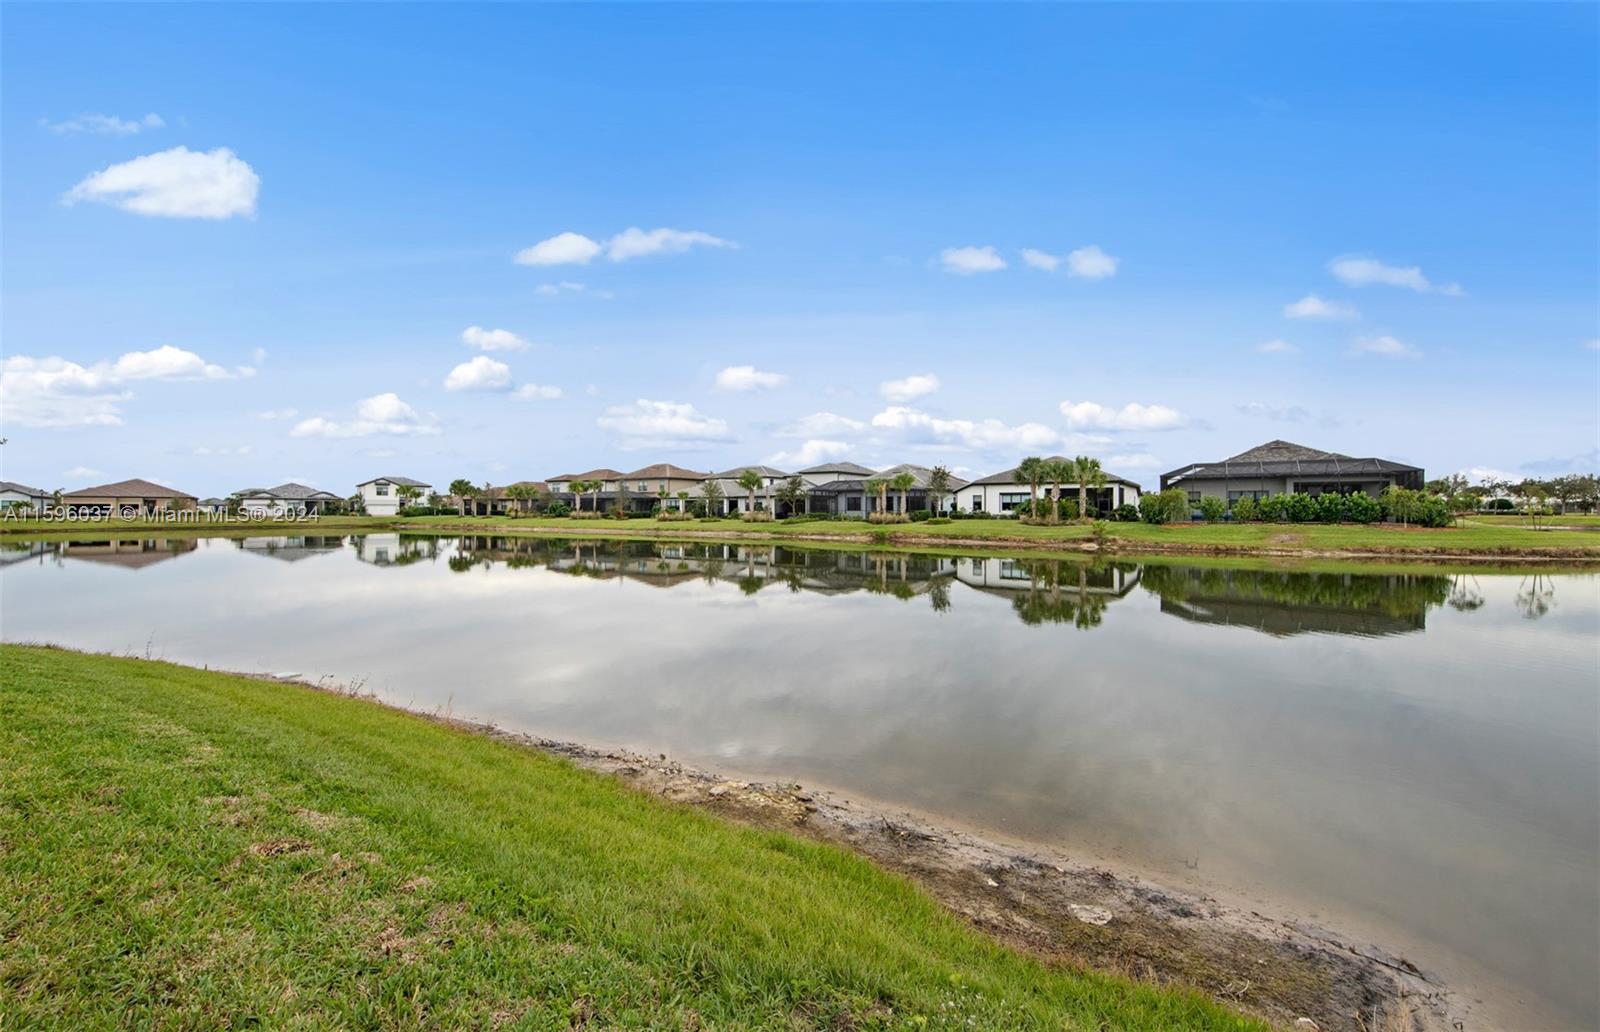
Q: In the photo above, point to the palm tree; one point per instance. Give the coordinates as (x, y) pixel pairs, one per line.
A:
(711, 491)
(462, 488)
(938, 487)
(407, 494)
(880, 487)
(1056, 471)
(1088, 473)
(750, 480)
(903, 482)
(1030, 471)
(792, 493)
(683, 501)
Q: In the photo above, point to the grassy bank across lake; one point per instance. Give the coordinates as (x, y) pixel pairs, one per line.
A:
(192, 849)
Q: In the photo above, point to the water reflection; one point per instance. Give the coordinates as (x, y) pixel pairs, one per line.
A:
(1283, 603)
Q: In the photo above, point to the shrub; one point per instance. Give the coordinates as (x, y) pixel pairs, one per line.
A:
(1101, 532)
(886, 517)
(1299, 507)
(756, 516)
(880, 537)
(1127, 512)
(1272, 508)
(1067, 508)
(1501, 504)
(1169, 506)
(558, 509)
(1332, 508)
(920, 515)
(1212, 509)
(1362, 508)
(1246, 509)
(938, 520)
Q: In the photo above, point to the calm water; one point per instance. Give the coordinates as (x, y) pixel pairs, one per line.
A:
(1412, 756)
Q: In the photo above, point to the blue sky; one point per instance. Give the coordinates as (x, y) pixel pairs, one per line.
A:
(888, 233)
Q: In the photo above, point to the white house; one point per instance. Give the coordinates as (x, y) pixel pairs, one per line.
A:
(20, 496)
(283, 500)
(736, 498)
(999, 494)
(380, 496)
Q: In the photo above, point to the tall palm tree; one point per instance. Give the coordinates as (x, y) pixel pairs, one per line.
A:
(1056, 471)
(1030, 471)
(750, 480)
(407, 494)
(462, 488)
(880, 487)
(1088, 473)
(938, 487)
(902, 483)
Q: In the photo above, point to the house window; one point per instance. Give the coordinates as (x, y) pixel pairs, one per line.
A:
(383, 490)
(977, 503)
(852, 504)
(1234, 496)
(1194, 499)
(1009, 500)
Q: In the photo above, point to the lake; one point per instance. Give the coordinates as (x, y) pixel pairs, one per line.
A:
(1410, 756)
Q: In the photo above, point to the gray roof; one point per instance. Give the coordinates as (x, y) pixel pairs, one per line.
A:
(397, 481)
(594, 474)
(1009, 476)
(840, 467)
(1286, 459)
(127, 489)
(11, 485)
(212, 501)
(287, 492)
(921, 473)
(666, 470)
(733, 474)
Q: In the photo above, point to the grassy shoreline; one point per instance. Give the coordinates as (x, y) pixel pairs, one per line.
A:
(183, 847)
(1474, 542)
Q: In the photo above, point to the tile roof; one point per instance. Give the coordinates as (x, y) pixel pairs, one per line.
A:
(11, 485)
(1287, 459)
(666, 470)
(287, 492)
(397, 481)
(593, 474)
(733, 474)
(840, 467)
(1009, 476)
(134, 488)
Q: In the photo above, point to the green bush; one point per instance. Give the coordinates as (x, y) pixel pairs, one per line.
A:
(1332, 508)
(920, 515)
(1299, 507)
(1212, 509)
(1067, 508)
(1246, 509)
(558, 509)
(1127, 512)
(938, 520)
(1273, 508)
(1169, 506)
(1362, 508)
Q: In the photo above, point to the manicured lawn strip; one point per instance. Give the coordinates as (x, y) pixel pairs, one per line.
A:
(184, 848)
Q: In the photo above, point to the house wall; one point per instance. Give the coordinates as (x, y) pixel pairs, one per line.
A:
(11, 498)
(110, 502)
(990, 495)
(1369, 483)
(387, 504)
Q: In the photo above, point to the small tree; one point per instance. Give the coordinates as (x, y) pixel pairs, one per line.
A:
(1212, 509)
(408, 495)
(711, 491)
(1088, 473)
(939, 481)
(792, 494)
(462, 488)
(751, 481)
(902, 483)
(1031, 471)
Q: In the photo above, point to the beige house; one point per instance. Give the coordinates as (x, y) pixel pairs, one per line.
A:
(126, 497)
(659, 483)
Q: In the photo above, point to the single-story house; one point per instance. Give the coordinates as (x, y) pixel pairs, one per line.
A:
(608, 479)
(854, 496)
(380, 496)
(213, 506)
(126, 498)
(498, 501)
(20, 496)
(736, 498)
(999, 494)
(1281, 467)
(285, 499)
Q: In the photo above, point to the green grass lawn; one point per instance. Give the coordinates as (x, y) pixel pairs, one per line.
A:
(193, 850)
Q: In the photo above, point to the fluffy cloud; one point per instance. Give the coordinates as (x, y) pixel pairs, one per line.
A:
(55, 392)
(492, 340)
(910, 388)
(915, 426)
(814, 451)
(480, 373)
(379, 414)
(1041, 259)
(649, 424)
(1363, 272)
(536, 392)
(177, 183)
(104, 125)
(1385, 345)
(822, 424)
(1276, 347)
(748, 378)
(964, 261)
(1313, 307)
(1132, 416)
(576, 249)
(1090, 263)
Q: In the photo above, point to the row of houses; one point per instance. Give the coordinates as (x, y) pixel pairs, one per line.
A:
(842, 489)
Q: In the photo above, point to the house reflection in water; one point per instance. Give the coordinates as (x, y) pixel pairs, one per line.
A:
(1282, 603)
(1053, 590)
(128, 553)
(393, 549)
(290, 549)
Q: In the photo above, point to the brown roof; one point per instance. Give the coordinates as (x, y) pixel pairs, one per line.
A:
(667, 470)
(500, 492)
(127, 489)
(593, 474)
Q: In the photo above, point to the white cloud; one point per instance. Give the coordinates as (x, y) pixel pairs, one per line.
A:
(917, 426)
(55, 392)
(177, 183)
(1481, 474)
(910, 388)
(1041, 259)
(1362, 272)
(379, 414)
(536, 392)
(104, 125)
(1091, 263)
(748, 378)
(647, 424)
(1280, 413)
(564, 286)
(492, 340)
(964, 261)
(634, 242)
(1276, 347)
(480, 373)
(576, 249)
(283, 413)
(812, 452)
(561, 249)
(1313, 307)
(822, 424)
(82, 473)
(1385, 345)
(259, 355)
(1132, 416)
